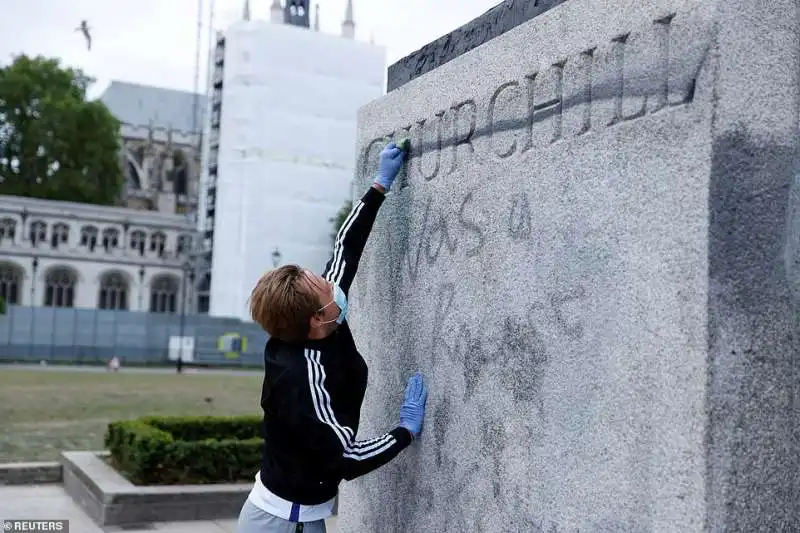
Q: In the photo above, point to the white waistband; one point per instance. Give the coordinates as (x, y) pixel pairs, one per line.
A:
(277, 506)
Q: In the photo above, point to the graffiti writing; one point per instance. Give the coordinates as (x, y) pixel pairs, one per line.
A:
(519, 217)
(440, 234)
(513, 341)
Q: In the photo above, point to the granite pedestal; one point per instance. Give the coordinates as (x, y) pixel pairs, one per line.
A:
(593, 257)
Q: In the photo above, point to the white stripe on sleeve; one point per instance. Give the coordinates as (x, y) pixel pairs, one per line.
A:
(337, 266)
(322, 407)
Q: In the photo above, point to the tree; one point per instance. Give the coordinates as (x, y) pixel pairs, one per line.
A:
(54, 143)
(340, 217)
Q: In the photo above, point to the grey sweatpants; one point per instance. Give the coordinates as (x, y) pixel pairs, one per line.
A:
(255, 520)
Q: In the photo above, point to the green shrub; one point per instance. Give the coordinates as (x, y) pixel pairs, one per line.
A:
(186, 450)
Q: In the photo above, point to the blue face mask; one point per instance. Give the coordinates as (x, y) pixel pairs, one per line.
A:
(340, 299)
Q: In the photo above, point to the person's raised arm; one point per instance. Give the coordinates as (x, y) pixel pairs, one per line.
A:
(335, 443)
(353, 235)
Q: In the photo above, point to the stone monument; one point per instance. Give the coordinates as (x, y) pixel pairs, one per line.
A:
(593, 257)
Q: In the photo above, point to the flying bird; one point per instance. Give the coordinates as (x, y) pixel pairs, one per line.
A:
(84, 28)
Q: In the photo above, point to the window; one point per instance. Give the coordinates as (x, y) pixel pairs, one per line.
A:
(37, 232)
(203, 294)
(180, 173)
(8, 228)
(10, 281)
(138, 240)
(59, 235)
(89, 237)
(157, 242)
(113, 291)
(60, 285)
(184, 244)
(110, 239)
(164, 295)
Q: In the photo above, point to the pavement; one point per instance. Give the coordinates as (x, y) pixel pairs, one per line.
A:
(51, 502)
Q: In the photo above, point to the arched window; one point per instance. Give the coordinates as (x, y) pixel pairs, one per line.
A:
(164, 294)
(110, 238)
(180, 173)
(132, 181)
(113, 291)
(133, 158)
(60, 286)
(10, 282)
(59, 235)
(157, 242)
(138, 241)
(37, 232)
(8, 229)
(89, 237)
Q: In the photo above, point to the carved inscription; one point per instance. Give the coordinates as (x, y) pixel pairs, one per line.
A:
(502, 138)
(633, 75)
(545, 106)
(465, 120)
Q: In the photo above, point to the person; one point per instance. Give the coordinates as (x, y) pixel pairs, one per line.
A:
(315, 380)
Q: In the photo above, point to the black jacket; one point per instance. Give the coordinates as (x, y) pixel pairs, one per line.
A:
(312, 394)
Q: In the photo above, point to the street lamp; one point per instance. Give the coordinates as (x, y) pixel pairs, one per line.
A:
(187, 271)
(35, 266)
(276, 257)
(141, 287)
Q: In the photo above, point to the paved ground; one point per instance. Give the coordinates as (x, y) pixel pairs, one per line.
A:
(52, 502)
(44, 502)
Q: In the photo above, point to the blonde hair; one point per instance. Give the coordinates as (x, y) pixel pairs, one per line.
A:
(283, 302)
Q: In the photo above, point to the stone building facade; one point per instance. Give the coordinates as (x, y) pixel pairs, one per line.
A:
(160, 155)
(136, 256)
(63, 254)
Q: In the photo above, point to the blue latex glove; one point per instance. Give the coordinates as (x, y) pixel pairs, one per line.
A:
(413, 410)
(391, 161)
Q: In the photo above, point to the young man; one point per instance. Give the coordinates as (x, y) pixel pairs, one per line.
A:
(315, 380)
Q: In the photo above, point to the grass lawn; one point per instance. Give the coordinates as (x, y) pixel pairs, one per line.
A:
(45, 412)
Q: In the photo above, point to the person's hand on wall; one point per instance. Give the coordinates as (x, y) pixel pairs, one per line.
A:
(391, 161)
(412, 412)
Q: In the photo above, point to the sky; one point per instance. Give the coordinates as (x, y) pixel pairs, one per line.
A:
(153, 42)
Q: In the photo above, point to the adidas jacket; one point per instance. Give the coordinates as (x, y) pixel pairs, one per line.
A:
(312, 395)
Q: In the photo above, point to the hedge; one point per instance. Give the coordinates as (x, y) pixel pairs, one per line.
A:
(186, 450)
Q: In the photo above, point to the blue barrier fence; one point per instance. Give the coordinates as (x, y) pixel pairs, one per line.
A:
(85, 336)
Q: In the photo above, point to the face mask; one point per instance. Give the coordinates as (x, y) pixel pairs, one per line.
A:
(340, 299)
